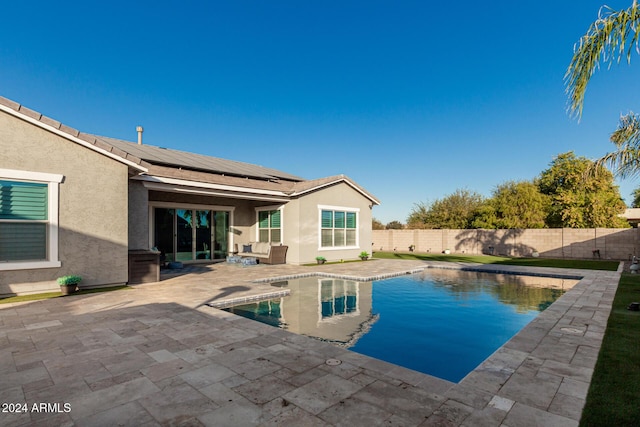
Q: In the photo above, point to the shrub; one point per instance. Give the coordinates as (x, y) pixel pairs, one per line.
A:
(69, 280)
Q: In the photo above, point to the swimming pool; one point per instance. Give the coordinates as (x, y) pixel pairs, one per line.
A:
(440, 322)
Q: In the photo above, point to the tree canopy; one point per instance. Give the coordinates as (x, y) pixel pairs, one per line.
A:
(578, 199)
(376, 224)
(455, 211)
(394, 225)
(563, 195)
(636, 198)
(514, 205)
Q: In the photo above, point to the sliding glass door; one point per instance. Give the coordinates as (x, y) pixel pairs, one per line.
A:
(185, 234)
(164, 224)
(220, 234)
(203, 235)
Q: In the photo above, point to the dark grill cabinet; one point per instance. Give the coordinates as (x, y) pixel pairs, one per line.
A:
(144, 266)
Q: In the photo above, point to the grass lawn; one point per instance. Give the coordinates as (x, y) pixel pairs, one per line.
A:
(487, 259)
(615, 387)
(47, 295)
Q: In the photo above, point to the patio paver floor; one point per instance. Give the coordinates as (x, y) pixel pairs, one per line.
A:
(158, 355)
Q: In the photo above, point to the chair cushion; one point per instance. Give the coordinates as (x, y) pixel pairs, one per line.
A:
(262, 247)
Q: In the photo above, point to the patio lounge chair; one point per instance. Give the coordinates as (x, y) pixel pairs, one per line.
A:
(277, 255)
(265, 252)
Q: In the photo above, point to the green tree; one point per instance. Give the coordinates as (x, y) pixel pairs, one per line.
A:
(613, 36)
(418, 216)
(636, 198)
(376, 224)
(394, 225)
(579, 200)
(514, 205)
(456, 211)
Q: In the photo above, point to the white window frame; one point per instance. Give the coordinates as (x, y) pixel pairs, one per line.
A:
(338, 209)
(53, 184)
(270, 208)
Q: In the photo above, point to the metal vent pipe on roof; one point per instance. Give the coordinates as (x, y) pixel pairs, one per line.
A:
(139, 129)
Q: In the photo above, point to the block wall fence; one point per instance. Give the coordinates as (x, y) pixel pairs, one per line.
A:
(609, 243)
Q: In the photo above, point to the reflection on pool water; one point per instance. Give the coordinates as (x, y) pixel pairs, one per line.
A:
(440, 322)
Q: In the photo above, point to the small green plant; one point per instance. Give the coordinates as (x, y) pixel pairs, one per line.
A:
(364, 255)
(69, 280)
(320, 258)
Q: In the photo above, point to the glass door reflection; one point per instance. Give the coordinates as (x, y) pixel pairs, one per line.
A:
(203, 234)
(191, 234)
(184, 235)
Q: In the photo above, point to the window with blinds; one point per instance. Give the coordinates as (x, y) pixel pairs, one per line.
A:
(338, 229)
(24, 208)
(270, 226)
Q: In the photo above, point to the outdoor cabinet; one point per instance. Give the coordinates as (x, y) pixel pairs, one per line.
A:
(144, 266)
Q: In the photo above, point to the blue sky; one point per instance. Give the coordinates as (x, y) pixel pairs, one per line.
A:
(412, 99)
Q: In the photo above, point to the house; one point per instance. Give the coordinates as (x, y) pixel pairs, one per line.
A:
(632, 215)
(76, 203)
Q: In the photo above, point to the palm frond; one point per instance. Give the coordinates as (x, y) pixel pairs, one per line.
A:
(613, 36)
(625, 161)
(628, 131)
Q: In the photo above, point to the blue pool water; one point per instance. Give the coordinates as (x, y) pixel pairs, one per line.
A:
(440, 322)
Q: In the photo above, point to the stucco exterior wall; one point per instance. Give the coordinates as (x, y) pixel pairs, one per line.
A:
(612, 243)
(293, 223)
(138, 216)
(302, 224)
(93, 228)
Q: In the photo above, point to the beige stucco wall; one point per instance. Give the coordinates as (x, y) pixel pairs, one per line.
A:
(92, 206)
(612, 243)
(138, 216)
(301, 222)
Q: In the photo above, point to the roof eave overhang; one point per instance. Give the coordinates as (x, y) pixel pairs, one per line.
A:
(328, 184)
(72, 138)
(173, 185)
